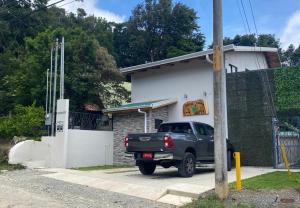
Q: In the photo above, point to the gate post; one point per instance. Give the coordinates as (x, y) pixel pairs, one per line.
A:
(275, 142)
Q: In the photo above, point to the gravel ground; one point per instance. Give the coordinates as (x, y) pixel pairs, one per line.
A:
(27, 188)
(289, 198)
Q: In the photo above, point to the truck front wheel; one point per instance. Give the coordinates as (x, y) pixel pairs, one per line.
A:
(186, 167)
(147, 168)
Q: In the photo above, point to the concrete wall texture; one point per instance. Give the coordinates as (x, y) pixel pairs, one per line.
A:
(68, 149)
(250, 115)
(89, 148)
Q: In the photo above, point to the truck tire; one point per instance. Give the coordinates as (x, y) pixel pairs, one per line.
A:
(229, 160)
(147, 168)
(186, 167)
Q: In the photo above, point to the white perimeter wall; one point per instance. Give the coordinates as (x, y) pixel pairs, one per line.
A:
(68, 149)
(89, 148)
(29, 151)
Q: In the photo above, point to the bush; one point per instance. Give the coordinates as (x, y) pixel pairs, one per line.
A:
(26, 121)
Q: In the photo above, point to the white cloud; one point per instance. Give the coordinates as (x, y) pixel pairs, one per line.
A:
(90, 7)
(291, 32)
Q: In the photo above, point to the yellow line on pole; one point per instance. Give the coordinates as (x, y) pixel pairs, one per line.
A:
(237, 158)
(286, 162)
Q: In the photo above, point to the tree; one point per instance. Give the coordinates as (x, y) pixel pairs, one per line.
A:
(263, 40)
(267, 40)
(157, 30)
(89, 68)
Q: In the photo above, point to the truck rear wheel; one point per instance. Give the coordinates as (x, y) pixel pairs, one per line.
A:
(147, 168)
(186, 167)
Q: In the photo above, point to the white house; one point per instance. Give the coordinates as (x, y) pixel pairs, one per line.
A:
(179, 89)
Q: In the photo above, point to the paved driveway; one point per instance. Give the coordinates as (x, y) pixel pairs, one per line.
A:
(163, 186)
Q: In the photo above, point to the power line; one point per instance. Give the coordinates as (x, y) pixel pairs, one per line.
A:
(254, 22)
(266, 89)
(243, 7)
(240, 11)
(37, 10)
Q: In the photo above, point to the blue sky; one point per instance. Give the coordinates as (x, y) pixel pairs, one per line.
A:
(279, 17)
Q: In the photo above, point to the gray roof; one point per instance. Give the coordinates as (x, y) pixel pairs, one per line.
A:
(196, 55)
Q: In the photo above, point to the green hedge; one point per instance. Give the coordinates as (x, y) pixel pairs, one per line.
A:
(26, 121)
(287, 89)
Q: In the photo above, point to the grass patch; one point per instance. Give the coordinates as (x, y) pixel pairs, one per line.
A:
(274, 180)
(213, 202)
(104, 167)
(9, 167)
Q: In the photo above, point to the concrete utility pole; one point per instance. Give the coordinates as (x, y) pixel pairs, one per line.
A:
(221, 180)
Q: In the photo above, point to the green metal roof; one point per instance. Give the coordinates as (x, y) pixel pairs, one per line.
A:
(141, 105)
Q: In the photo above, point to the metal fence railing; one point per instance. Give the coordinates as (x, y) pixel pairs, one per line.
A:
(89, 121)
(290, 139)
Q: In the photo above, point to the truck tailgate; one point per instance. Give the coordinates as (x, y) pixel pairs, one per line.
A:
(149, 142)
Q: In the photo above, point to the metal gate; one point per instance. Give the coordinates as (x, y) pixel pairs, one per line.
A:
(289, 137)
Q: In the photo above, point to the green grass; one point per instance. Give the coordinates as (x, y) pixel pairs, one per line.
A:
(274, 180)
(6, 166)
(213, 202)
(104, 167)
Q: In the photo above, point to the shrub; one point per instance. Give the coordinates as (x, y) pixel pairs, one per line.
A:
(26, 121)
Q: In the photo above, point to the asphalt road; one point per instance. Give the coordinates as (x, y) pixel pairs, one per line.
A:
(28, 188)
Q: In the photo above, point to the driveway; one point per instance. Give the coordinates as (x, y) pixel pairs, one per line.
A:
(163, 186)
(30, 189)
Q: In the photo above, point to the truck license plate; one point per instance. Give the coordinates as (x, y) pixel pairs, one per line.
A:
(147, 155)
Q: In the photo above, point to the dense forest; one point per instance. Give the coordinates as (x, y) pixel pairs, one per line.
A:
(96, 48)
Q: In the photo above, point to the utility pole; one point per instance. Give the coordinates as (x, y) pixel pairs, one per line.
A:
(62, 68)
(54, 88)
(51, 79)
(47, 93)
(221, 178)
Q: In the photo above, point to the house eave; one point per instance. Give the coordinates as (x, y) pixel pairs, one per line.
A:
(195, 55)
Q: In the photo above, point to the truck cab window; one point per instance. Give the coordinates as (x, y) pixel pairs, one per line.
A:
(200, 129)
(184, 128)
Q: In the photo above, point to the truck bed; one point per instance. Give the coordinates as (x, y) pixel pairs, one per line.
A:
(147, 142)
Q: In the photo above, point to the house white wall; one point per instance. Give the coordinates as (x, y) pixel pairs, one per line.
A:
(188, 81)
(243, 60)
(192, 80)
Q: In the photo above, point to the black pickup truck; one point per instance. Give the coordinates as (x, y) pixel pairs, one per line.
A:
(180, 144)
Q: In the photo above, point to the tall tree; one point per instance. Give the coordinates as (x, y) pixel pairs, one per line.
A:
(90, 71)
(157, 30)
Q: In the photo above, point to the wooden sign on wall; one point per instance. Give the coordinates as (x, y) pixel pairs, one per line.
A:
(193, 108)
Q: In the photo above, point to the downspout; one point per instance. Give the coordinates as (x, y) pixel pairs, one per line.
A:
(208, 59)
(145, 113)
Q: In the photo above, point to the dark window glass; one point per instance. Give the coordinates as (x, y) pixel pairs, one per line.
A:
(176, 128)
(210, 130)
(157, 123)
(200, 129)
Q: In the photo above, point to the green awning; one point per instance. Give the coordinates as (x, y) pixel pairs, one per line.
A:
(141, 105)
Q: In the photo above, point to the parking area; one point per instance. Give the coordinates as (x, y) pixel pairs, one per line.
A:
(163, 186)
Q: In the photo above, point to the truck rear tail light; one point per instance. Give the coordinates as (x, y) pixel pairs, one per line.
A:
(126, 141)
(168, 141)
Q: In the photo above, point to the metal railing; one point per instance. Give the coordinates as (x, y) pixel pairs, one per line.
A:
(89, 121)
(290, 139)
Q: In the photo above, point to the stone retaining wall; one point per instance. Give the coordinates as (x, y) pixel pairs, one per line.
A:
(133, 122)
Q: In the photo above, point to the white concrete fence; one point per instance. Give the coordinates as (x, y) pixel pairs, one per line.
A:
(70, 148)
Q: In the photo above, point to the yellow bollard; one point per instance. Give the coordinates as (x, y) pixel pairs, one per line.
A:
(237, 158)
(286, 162)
